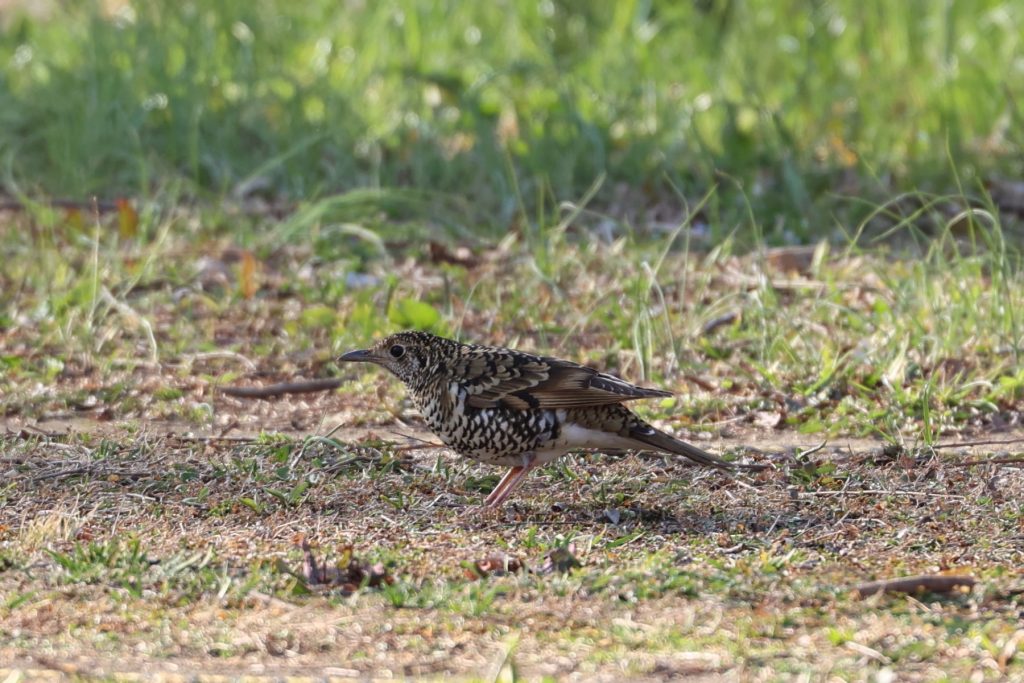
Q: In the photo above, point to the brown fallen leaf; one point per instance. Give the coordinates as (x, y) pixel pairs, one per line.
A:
(792, 259)
(927, 583)
(247, 284)
(706, 386)
(127, 219)
(770, 419)
(498, 564)
(461, 256)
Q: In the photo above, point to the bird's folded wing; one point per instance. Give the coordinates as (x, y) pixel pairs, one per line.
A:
(523, 381)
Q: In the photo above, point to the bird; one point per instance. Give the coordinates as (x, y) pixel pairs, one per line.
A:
(505, 407)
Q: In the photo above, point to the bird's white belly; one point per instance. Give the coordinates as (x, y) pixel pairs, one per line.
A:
(574, 436)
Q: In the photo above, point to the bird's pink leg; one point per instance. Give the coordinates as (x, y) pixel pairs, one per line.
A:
(510, 482)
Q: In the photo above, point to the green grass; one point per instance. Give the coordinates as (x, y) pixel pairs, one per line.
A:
(463, 117)
(855, 342)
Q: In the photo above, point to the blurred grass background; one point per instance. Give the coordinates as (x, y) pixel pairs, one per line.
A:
(806, 116)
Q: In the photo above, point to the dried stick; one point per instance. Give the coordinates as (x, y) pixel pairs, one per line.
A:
(282, 388)
(915, 584)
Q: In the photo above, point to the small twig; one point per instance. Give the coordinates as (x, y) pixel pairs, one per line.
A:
(411, 437)
(208, 439)
(333, 430)
(867, 652)
(422, 445)
(27, 432)
(682, 461)
(703, 384)
(273, 390)
(1019, 460)
(915, 584)
(727, 421)
(815, 449)
(417, 447)
(880, 492)
(533, 521)
(991, 442)
(742, 484)
(96, 472)
(721, 321)
(822, 537)
(22, 433)
(135, 363)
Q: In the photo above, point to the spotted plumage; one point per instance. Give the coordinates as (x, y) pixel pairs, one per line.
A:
(506, 407)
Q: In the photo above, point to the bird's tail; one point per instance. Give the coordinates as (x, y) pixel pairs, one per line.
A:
(660, 441)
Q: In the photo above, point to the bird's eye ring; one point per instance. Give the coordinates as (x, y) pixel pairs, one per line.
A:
(397, 351)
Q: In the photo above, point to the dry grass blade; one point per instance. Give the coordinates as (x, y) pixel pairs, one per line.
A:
(1014, 461)
(981, 442)
(283, 388)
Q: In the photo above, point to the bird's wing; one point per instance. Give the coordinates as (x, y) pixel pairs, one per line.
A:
(512, 379)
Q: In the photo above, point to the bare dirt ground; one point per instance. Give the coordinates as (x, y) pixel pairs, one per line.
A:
(682, 572)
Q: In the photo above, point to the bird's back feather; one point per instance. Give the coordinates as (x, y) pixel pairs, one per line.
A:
(506, 378)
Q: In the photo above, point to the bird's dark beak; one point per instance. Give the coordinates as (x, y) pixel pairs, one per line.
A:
(359, 356)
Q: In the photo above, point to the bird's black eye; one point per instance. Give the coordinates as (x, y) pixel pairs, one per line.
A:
(397, 350)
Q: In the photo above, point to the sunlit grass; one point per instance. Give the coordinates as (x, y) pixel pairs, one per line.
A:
(907, 343)
(796, 111)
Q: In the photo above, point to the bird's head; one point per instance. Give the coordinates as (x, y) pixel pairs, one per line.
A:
(408, 355)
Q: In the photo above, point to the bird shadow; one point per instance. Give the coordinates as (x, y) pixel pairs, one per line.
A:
(664, 520)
